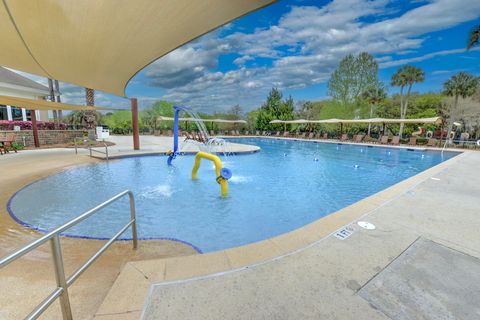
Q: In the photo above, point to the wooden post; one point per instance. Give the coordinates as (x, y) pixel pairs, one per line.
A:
(36, 141)
(136, 133)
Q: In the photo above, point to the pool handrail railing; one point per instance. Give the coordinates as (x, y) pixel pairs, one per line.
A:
(54, 236)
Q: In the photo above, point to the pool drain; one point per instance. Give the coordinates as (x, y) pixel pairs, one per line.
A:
(366, 225)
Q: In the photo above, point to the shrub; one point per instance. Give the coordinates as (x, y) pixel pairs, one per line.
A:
(27, 125)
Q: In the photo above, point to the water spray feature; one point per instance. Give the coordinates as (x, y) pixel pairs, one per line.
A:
(206, 146)
(206, 143)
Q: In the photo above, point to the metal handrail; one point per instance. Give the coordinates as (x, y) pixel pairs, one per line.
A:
(105, 153)
(90, 149)
(62, 282)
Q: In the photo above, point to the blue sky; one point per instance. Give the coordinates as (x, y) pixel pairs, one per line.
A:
(295, 45)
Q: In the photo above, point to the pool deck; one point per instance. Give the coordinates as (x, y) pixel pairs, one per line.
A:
(308, 273)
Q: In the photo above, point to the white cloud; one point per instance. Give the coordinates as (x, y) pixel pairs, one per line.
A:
(305, 46)
(427, 56)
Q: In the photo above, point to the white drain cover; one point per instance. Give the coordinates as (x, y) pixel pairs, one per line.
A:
(366, 225)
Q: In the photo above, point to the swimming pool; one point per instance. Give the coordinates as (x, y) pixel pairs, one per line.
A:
(284, 186)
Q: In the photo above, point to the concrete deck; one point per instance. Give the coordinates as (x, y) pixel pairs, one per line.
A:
(428, 280)
(310, 273)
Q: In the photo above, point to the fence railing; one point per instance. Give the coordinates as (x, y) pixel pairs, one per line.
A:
(61, 291)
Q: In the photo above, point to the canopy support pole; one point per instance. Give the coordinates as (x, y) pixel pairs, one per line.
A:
(136, 133)
(36, 141)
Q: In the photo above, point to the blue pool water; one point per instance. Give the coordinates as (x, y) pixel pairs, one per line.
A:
(284, 186)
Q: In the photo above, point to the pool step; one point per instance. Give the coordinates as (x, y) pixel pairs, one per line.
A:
(127, 296)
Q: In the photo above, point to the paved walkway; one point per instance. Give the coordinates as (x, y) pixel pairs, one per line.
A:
(324, 280)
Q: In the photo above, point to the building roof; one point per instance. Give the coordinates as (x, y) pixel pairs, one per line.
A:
(14, 79)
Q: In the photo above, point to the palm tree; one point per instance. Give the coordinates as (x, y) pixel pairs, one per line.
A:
(90, 114)
(59, 100)
(374, 95)
(52, 98)
(463, 85)
(406, 76)
(474, 38)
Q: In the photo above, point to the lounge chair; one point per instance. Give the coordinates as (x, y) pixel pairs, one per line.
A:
(384, 140)
(247, 133)
(278, 134)
(325, 135)
(286, 134)
(303, 135)
(311, 135)
(237, 132)
(358, 138)
(412, 141)
(212, 133)
(395, 141)
(431, 142)
(344, 137)
(8, 143)
(170, 133)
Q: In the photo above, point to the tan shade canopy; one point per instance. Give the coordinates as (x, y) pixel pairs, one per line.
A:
(204, 120)
(434, 120)
(43, 105)
(103, 44)
(299, 121)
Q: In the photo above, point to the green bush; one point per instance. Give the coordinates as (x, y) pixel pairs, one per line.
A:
(17, 146)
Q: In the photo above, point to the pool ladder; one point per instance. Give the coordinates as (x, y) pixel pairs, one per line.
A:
(89, 148)
(61, 291)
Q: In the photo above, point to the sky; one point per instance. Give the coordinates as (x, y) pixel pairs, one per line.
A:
(294, 45)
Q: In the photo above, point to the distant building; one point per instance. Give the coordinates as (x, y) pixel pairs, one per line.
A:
(15, 85)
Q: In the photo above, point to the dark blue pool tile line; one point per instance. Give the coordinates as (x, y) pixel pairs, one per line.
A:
(419, 149)
(35, 228)
(163, 154)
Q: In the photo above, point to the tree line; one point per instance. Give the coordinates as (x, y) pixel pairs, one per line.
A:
(355, 90)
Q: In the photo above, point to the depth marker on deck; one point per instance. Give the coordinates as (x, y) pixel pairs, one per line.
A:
(344, 233)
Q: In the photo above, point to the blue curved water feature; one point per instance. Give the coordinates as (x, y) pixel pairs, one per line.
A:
(273, 191)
